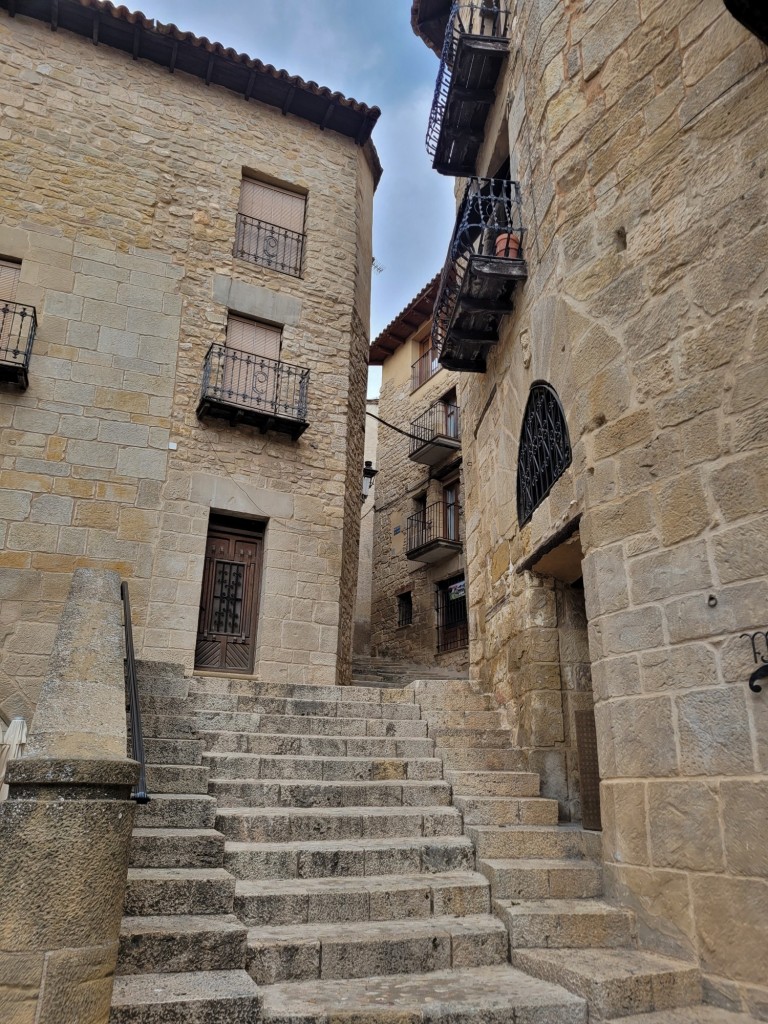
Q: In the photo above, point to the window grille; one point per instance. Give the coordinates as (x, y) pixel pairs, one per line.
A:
(452, 623)
(545, 449)
(405, 609)
(270, 227)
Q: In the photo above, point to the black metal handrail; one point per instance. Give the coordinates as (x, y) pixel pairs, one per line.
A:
(426, 366)
(489, 224)
(490, 20)
(132, 704)
(437, 522)
(440, 420)
(269, 245)
(247, 381)
(18, 326)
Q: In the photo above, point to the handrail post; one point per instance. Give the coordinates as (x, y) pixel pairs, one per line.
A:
(139, 791)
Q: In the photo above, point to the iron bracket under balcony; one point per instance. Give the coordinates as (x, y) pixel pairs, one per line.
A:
(435, 434)
(245, 388)
(18, 326)
(432, 535)
(484, 266)
(476, 44)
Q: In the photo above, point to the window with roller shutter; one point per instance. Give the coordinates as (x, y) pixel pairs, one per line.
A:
(270, 227)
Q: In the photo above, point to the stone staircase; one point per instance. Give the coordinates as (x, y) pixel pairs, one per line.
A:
(326, 855)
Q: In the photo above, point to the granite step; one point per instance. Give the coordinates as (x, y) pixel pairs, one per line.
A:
(327, 769)
(480, 995)
(176, 848)
(616, 982)
(304, 744)
(200, 997)
(177, 778)
(173, 750)
(238, 686)
(152, 891)
(502, 810)
(283, 825)
(471, 738)
(542, 879)
(196, 703)
(314, 793)
(453, 699)
(373, 898)
(179, 943)
(363, 949)
(501, 783)
(192, 723)
(177, 810)
(474, 720)
(566, 924)
(529, 842)
(492, 759)
(349, 857)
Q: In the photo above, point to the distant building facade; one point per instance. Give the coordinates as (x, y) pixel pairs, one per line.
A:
(603, 304)
(184, 305)
(419, 608)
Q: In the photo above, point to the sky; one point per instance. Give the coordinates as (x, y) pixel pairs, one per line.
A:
(364, 49)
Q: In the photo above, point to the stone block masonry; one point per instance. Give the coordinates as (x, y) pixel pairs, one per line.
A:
(121, 186)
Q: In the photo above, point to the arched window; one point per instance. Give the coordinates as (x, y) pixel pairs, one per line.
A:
(545, 449)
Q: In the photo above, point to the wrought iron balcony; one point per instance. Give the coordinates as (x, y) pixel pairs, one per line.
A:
(245, 388)
(437, 434)
(475, 45)
(485, 262)
(432, 534)
(426, 366)
(18, 325)
(269, 245)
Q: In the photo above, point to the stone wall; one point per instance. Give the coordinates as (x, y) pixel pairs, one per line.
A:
(362, 625)
(637, 131)
(120, 186)
(399, 481)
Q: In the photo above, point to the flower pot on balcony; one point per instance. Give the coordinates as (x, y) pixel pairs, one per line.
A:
(508, 246)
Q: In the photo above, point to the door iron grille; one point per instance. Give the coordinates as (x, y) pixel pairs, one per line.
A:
(452, 623)
(545, 449)
(228, 598)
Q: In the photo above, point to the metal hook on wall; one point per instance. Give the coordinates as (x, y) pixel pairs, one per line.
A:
(762, 671)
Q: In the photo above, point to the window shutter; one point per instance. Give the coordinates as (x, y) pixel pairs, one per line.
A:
(9, 278)
(253, 338)
(272, 205)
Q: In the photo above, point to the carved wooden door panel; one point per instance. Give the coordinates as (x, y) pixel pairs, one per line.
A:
(226, 635)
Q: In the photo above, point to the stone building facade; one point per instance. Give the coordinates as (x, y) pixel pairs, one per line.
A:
(361, 637)
(614, 440)
(418, 602)
(200, 270)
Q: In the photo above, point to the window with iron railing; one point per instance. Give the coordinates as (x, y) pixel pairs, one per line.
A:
(405, 609)
(451, 608)
(440, 420)
(425, 367)
(18, 326)
(270, 227)
(435, 523)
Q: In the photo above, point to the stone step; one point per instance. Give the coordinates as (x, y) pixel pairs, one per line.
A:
(479, 783)
(179, 891)
(491, 759)
(349, 857)
(480, 995)
(284, 825)
(689, 1015)
(240, 687)
(176, 848)
(566, 924)
(174, 810)
(473, 738)
(373, 898)
(616, 982)
(529, 842)
(178, 943)
(303, 744)
(314, 793)
(437, 686)
(177, 778)
(173, 750)
(201, 997)
(191, 724)
(454, 700)
(326, 769)
(211, 702)
(502, 810)
(473, 720)
(542, 879)
(365, 949)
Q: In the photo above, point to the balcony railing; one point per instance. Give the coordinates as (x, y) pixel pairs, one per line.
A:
(426, 366)
(18, 326)
(246, 388)
(485, 261)
(435, 434)
(432, 534)
(269, 245)
(476, 43)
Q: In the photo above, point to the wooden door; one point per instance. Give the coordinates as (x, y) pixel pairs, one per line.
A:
(229, 605)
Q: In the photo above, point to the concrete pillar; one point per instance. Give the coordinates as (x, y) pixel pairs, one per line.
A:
(65, 829)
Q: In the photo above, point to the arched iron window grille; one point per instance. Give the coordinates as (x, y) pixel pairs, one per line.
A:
(545, 449)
